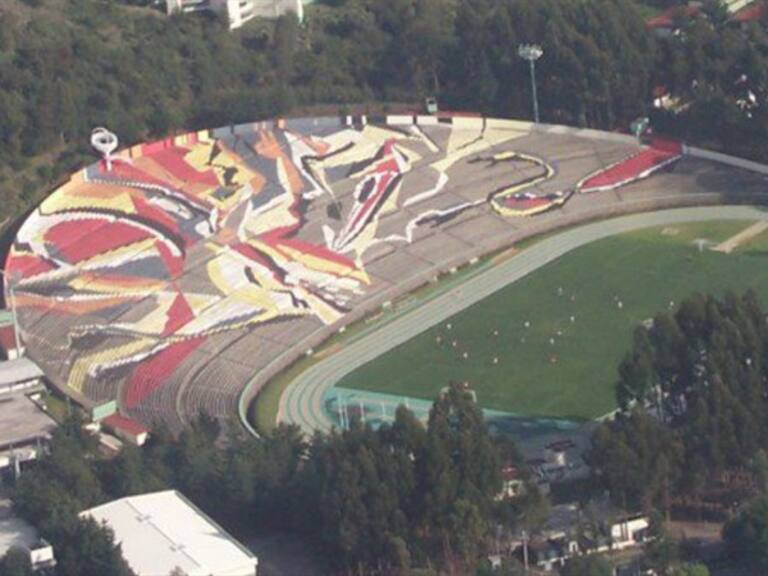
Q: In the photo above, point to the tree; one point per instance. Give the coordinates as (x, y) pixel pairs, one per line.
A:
(285, 45)
(90, 550)
(16, 562)
(462, 469)
(128, 474)
(637, 459)
(390, 498)
(691, 570)
(663, 552)
(746, 535)
(760, 469)
(637, 377)
(592, 565)
(694, 402)
(468, 529)
(398, 556)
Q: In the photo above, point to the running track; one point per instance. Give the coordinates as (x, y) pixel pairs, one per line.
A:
(301, 403)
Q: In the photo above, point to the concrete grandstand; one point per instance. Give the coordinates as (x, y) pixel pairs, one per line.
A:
(200, 264)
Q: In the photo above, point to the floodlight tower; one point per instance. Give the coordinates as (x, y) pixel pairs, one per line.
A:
(532, 52)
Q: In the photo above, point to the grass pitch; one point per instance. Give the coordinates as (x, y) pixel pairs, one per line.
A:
(549, 344)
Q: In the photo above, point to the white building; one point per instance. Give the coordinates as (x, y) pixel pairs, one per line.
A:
(163, 531)
(629, 532)
(238, 12)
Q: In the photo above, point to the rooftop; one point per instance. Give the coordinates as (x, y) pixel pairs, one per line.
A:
(21, 420)
(161, 531)
(671, 16)
(751, 13)
(119, 422)
(17, 371)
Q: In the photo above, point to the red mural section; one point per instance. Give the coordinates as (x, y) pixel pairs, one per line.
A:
(660, 153)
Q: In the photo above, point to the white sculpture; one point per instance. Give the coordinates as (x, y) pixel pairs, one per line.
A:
(104, 142)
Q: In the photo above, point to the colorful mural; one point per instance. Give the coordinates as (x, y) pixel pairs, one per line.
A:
(129, 269)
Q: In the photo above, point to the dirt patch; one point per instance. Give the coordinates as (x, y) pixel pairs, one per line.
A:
(505, 255)
(710, 532)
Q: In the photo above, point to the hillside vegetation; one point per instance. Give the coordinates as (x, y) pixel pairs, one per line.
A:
(67, 66)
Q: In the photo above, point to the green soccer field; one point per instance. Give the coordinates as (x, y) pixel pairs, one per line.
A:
(549, 344)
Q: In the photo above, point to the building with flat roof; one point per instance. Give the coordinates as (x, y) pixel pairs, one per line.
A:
(19, 374)
(163, 531)
(25, 427)
(237, 12)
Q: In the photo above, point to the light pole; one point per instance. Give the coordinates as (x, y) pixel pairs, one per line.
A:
(12, 302)
(532, 52)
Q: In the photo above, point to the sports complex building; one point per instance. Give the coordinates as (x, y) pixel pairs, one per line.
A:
(182, 275)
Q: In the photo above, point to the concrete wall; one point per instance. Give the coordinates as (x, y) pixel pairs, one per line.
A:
(726, 159)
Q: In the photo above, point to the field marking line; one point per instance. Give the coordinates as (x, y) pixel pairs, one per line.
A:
(729, 245)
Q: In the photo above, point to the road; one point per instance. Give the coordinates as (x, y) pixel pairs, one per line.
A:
(302, 402)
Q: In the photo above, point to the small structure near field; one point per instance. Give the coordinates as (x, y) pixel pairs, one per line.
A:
(163, 531)
(513, 483)
(126, 429)
(630, 531)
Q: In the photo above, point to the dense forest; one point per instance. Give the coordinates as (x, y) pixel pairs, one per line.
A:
(67, 66)
(693, 430)
(403, 499)
(695, 401)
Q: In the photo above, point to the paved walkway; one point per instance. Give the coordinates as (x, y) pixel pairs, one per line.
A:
(302, 401)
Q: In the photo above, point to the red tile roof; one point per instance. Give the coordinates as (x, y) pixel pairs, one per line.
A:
(118, 422)
(667, 18)
(751, 13)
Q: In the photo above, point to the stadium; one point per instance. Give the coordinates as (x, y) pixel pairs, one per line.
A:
(179, 277)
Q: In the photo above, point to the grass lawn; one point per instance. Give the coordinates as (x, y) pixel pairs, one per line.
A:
(57, 407)
(262, 412)
(608, 287)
